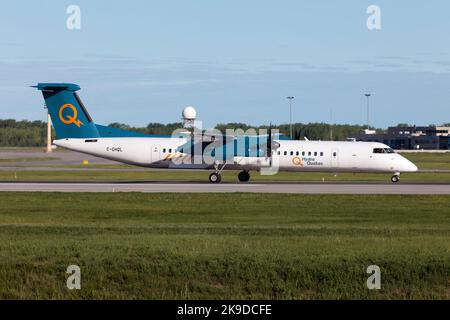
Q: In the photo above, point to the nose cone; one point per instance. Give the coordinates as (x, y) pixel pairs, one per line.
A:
(408, 166)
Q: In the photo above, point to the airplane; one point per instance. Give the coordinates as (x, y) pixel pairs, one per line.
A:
(75, 130)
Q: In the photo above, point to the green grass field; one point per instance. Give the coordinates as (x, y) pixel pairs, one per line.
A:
(29, 159)
(217, 246)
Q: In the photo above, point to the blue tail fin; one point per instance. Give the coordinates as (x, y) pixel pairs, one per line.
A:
(69, 116)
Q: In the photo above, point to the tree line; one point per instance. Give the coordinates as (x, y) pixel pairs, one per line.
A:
(22, 133)
(25, 133)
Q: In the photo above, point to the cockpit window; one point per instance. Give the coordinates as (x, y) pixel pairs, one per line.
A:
(383, 150)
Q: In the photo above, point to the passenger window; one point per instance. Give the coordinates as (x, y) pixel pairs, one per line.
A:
(297, 153)
(164, 150)
(303, 153)
(279, 152)
(170, 150)
(321, 154)
(315, 154)
(309, 153)
(292, 153)
(334, 154)
(285, 153)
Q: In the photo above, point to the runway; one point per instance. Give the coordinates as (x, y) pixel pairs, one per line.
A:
(183, 187)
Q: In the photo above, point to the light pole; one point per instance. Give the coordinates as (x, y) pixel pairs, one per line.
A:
(290, 115)
(49, 132)
(368, 97)
(331, 124)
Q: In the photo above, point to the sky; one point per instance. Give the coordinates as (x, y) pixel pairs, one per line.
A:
(234, 61)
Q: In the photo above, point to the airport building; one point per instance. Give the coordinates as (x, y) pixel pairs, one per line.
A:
(411, 137)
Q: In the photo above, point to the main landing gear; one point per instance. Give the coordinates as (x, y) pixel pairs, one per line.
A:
(395, 178)
(244, 176)
(215, 177)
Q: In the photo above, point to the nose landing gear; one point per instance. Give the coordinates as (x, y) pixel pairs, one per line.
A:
(244, 176)
(395, 178)
(215, 177)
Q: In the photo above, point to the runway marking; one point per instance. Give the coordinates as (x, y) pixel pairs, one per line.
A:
(310, 188)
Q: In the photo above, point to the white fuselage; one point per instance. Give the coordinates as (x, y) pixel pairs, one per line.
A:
(291, 155)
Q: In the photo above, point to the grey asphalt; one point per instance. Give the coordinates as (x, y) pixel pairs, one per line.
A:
(152, 187)
(65, 157)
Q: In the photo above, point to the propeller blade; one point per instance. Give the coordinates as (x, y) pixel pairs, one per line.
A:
(269, 141)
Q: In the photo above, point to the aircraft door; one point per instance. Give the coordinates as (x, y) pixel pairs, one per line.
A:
(156, 153)
(334, 158)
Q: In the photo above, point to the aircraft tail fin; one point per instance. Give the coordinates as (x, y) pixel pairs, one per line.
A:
(69, 116)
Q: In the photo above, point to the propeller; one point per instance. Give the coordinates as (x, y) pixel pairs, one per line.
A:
(269, 141)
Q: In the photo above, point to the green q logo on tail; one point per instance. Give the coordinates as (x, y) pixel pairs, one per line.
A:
(68, 119)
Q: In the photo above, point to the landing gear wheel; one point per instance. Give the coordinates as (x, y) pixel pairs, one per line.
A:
(215, 177)
(244, 176)
(394, 179)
